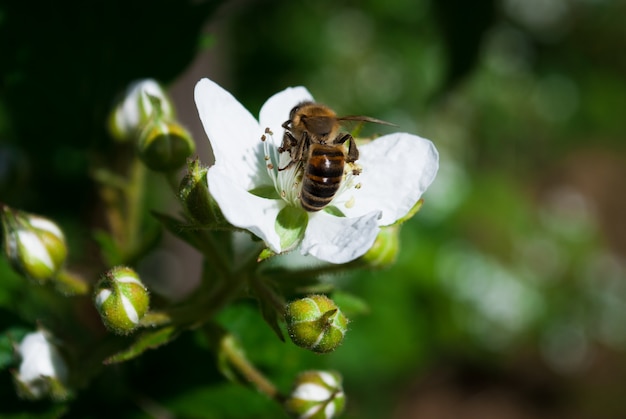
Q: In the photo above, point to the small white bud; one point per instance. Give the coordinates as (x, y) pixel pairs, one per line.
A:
(42, 370)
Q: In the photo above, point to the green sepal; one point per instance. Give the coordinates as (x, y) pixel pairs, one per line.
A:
(411, 213)
(147, 340)
(290, 225)
(267, 191)
(333, 210)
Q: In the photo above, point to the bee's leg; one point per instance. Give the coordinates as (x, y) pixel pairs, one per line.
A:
(289, 141)
(298, 152)
(353, 152)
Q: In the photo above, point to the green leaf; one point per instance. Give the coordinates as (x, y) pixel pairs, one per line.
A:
(148, 340)
(268, 192)
(290, 225)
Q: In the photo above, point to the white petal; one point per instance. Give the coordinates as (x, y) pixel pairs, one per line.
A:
(244, 210)
(234, 134)
(311, 393)
(33, 249)
(276, 109)
(339, 239)
(397, 169)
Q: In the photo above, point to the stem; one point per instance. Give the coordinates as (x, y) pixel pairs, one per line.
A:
(134, 204)
(238, 360)
(71, 284)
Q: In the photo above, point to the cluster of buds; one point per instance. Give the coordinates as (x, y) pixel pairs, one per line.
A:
(35, 246)
(146, 115)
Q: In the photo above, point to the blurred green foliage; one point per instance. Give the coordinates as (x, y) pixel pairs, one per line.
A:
(511, 278)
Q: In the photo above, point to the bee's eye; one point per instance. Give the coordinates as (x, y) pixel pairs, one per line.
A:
(293, 112)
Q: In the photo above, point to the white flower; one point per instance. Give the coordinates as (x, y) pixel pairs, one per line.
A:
(41, 362)
(396, 170)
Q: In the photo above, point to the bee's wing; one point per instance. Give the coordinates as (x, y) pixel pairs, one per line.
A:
(361, 118)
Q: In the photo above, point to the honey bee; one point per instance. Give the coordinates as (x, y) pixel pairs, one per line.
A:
(313, 136)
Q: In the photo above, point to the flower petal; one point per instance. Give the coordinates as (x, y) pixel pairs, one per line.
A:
(234, 134)
(243, 209)
(276, 109)
(397, 169)
(339, 239)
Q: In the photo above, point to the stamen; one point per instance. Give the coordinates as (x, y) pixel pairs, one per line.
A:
(287, 182)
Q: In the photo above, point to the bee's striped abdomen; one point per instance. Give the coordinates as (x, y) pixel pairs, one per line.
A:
(323, 173)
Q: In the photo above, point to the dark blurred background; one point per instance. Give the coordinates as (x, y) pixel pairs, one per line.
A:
(509, 296)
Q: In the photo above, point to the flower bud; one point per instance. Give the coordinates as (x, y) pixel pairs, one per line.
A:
(384, 251)
(42, 370)
(34, 245)
(315, 323)
(164, 146)
(194, 194)
(316, 395)
(142, 99)
(121, 299)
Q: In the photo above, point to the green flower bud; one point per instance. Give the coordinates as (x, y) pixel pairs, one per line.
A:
(194, 194)
(316, 395)
(164, 146)
(316, 323)
(34, 245)
(142, 99)
(121, 299)
(384, 251)
(42, 372)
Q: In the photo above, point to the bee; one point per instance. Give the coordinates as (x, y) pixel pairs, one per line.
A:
(313, 136)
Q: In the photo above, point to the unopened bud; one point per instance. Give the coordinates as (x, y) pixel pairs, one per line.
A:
(316, 323)
(316, 395)
(194, 194)
(121, 299)
(34, 245)
(384, 251)
(141, 101)
(42, 372)
(164, 145)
